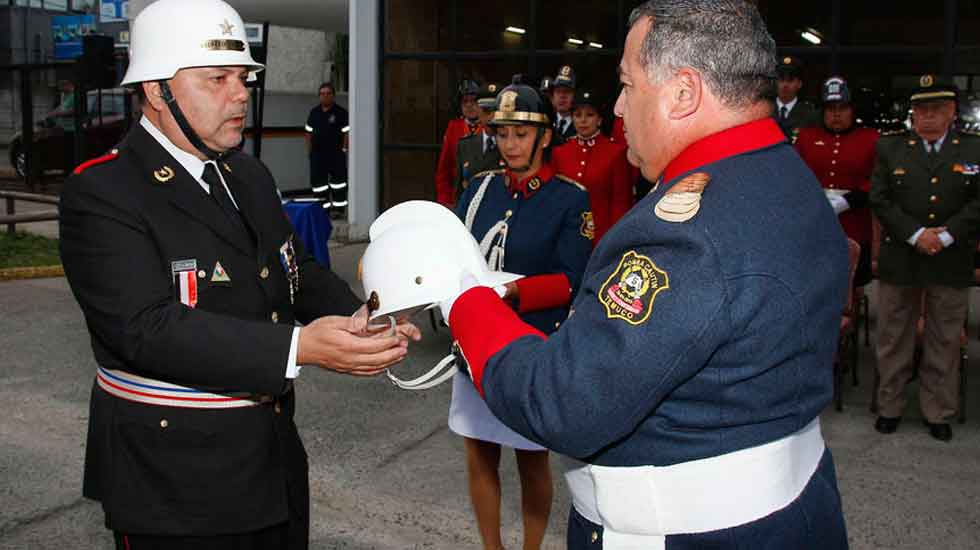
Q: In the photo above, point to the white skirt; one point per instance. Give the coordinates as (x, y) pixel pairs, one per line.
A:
(470, 417)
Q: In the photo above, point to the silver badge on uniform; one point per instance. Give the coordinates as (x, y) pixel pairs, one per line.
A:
(287, 257)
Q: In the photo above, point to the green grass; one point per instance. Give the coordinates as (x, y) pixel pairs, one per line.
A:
(26, 250)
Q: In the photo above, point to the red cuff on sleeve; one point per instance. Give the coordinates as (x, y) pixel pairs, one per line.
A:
(482, 324)
(543, 292)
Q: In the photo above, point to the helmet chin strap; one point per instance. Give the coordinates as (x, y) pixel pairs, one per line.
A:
(185, 126)
(534, 151)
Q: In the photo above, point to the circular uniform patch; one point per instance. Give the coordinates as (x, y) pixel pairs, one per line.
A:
(587, 229)
(630, 290)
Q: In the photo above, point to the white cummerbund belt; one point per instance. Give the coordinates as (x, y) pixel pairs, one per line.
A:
(640, 505)
(127, 385)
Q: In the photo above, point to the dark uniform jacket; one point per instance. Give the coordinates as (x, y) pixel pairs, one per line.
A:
(549, 232)
(185, 471)
(910, 190)
(471, 159)
(689, 338)
(803, 115)
(327, 157)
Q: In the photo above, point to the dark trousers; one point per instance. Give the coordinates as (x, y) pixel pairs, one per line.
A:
(271, 538)
(814, 521)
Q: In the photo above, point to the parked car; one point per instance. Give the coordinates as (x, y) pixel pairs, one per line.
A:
(54, 141)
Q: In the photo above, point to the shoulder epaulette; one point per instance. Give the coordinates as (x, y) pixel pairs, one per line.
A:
(112, 155)
(567, 179)
(495, 172)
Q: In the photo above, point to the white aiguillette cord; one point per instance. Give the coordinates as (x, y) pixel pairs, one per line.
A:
(430, 379)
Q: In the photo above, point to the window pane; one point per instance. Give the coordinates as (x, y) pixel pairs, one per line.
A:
(968, 23)
(907, 22)
(408, 175)
(789, 22)
(484, 26)
(56, 5)
(418, 100)
(499, 71)
(417, 26)
(593, 22)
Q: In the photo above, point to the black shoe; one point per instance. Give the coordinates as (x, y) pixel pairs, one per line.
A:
(887, 425)
(941, 431)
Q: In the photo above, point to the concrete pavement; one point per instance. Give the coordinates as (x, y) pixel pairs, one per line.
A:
(386, 473)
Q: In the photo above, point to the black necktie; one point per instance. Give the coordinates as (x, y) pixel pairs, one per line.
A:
(220, 196)
(783, 111)
(491, 145)
(933, 148)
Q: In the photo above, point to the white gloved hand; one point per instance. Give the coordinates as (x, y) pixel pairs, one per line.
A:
(838, 203)
(466, 282)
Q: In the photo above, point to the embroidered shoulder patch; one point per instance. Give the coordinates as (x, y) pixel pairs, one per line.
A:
(630, 290)
(588, 226)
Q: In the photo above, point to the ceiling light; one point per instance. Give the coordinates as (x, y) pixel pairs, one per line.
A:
(516, 30)
(595, 45)
(811, 35)
(575, 41)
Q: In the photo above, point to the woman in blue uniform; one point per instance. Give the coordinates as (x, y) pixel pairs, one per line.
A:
(530, 221)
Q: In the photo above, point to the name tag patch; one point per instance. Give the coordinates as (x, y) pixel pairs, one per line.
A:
(629, 292)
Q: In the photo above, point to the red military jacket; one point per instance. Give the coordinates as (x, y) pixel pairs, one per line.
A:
(600, 165)
(843, 161)
(457, 129)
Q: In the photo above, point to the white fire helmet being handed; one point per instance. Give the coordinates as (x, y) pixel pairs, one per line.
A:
(418, 254)
(169, 35)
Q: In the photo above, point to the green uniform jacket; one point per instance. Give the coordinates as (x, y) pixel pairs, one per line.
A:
(909, 190)
(471, 160)
(803, 115)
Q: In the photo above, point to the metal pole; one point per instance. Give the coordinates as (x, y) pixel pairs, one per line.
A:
(27, 122)
(11, 227)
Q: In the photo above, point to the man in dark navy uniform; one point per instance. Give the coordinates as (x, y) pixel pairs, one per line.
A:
(191, 280)
(792, 112)
(563, 99)
(689, 378)
(326, 143)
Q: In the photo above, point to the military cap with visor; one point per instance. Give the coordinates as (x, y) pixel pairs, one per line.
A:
(565, 78)
(934, 88)
(468, 87)
(486, 98)
(789, 67)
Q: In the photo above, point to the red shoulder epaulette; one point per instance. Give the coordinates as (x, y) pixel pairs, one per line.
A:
(97, 160)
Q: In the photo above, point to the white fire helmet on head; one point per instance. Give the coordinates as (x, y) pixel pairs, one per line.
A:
(418, 254)
(169, 35)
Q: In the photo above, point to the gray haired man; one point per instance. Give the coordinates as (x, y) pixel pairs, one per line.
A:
(689, 381)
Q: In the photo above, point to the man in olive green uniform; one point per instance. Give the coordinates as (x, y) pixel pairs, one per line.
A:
(924, 192)
(478, 152)
(791, 112)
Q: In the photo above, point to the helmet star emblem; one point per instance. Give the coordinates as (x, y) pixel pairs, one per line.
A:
(226, 28)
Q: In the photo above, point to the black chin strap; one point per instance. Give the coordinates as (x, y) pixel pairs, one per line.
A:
(534, 151)
(185, 126)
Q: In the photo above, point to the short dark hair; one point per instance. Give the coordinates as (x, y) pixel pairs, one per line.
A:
(327, 85)
(724, 40)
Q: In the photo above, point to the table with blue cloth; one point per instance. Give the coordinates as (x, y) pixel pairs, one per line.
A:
(313, 227)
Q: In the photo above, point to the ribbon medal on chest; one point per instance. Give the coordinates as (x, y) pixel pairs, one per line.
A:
(184, 274)
(287, 257)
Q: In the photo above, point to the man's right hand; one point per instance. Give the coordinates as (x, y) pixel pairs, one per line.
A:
(333, 343)
(928, 242)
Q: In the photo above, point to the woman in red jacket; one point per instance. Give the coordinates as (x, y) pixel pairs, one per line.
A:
(598, 163)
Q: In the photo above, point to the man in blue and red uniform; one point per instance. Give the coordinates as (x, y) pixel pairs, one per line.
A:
(842, 156)
(466, 125)
(690, 375)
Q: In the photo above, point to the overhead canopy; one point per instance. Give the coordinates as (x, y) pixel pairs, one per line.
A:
(324, 15)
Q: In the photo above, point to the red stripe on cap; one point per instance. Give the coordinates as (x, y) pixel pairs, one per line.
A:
(92, 162)
(543, 292)
(473, 313)
(751, 136)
